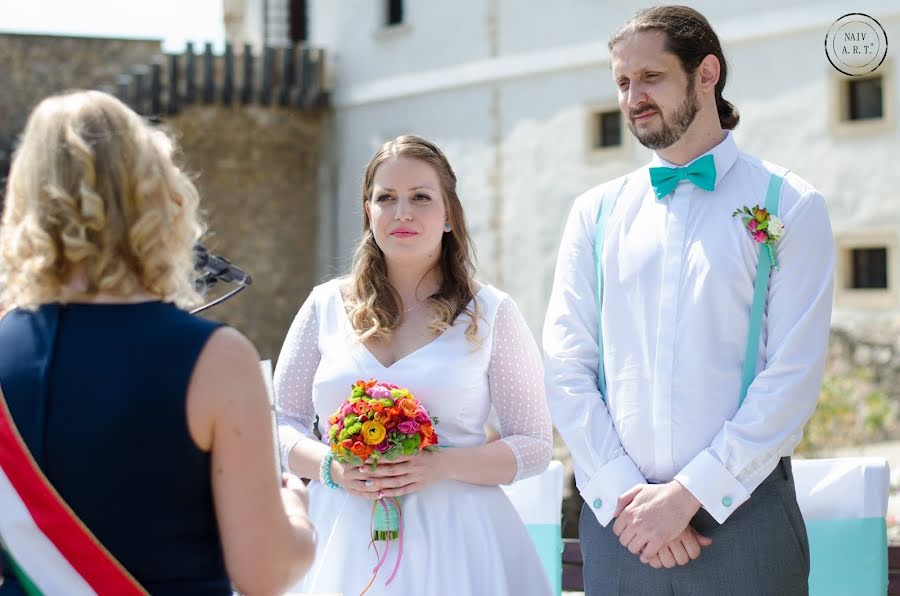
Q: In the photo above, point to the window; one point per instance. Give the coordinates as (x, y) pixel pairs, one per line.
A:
(867, 270)
(608, 129)
(863, 104)
(865, 98)
(393, 12)
(604, 132)
(298, 21)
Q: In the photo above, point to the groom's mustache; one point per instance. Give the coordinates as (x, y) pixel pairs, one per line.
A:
(632, 114)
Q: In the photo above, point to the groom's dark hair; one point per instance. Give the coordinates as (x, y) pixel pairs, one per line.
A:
(690, 37)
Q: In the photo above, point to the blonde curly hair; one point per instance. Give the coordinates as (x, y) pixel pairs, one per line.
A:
(373, 304)
(93, 191)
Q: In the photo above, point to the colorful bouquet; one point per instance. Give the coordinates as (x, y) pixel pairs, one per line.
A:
(381, 421)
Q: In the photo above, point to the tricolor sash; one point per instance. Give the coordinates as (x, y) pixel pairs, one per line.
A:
(51, 551)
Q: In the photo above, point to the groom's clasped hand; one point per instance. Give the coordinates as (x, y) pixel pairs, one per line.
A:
(653, 521)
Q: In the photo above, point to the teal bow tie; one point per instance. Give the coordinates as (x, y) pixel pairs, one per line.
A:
(701, 172)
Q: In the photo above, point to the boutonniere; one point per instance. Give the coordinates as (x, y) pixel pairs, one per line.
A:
(763, 227)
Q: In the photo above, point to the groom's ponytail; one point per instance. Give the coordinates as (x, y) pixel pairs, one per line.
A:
(728, 114)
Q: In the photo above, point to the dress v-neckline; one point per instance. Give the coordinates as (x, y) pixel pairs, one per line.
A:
(365, 348)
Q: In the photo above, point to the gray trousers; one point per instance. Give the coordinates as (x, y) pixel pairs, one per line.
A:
(760, 550)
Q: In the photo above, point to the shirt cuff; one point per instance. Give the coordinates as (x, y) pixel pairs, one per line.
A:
(602, 493)
(718, 491)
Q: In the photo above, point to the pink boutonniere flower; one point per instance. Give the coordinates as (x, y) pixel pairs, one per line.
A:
(763, 227)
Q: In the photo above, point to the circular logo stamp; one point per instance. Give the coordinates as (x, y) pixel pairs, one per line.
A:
(856, 44)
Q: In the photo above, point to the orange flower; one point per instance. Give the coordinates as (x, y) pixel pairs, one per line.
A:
(394, 411)
(361, 450)
(376, 406)
(361, 408)
(409, 407)
(429, 437)
(428, 440)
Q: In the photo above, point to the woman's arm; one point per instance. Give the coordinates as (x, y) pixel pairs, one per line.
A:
(301, 451)
(266, 535)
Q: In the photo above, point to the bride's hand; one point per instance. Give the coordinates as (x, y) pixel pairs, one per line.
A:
(350, 479)
(401, 476)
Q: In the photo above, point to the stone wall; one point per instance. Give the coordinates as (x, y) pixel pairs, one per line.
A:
(255, 166)
(35, 66)
(873, 344)
(256, 171)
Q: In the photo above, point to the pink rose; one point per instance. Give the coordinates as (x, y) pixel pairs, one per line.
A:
(383, 446)
(408, 427)
(347, 409)
(760, 236)
(752, 225)
(379, 392)
(422, 417)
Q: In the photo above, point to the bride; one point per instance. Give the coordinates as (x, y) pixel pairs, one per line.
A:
(410, 313)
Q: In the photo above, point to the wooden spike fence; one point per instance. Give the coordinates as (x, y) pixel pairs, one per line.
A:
(289, 77)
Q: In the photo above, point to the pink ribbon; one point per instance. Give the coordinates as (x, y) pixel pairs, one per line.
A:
(399, 538)
(387, 548)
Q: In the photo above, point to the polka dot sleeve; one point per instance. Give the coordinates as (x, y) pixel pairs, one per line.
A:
(293, 382)
(516, 376)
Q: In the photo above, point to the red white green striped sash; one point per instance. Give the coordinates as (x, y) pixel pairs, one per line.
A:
(52, 550)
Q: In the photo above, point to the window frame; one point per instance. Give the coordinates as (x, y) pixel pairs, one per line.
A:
(595, 152)
(385, 31)
(866, 298)
(840, 123)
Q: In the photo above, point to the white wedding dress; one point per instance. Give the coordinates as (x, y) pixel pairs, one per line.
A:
(458, 538)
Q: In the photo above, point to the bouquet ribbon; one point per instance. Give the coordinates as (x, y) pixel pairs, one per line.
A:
(387, 549)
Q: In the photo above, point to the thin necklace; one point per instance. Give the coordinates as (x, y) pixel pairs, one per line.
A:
(412, 308)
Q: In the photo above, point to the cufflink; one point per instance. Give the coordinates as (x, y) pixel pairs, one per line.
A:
(598, 503)
(726, 501)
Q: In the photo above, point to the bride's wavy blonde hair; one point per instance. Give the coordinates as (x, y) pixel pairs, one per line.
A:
(93, 189)
(373, 304)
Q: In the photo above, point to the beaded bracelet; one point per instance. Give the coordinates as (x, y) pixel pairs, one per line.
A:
(325, 471)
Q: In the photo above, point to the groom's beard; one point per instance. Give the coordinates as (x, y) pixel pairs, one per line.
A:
(668, 132)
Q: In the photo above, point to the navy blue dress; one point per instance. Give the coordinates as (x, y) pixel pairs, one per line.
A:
(98, 392)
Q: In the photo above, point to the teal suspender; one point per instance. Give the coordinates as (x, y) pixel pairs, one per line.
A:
(760, 287)
(606, 208)
(760, 290)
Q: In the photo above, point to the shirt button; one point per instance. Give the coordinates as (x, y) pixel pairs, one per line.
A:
(598, 503)
(726, 501)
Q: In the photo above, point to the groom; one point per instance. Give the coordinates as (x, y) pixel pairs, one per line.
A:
(685, 469)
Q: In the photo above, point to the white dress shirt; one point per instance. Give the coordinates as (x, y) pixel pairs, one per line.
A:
(678, 284)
